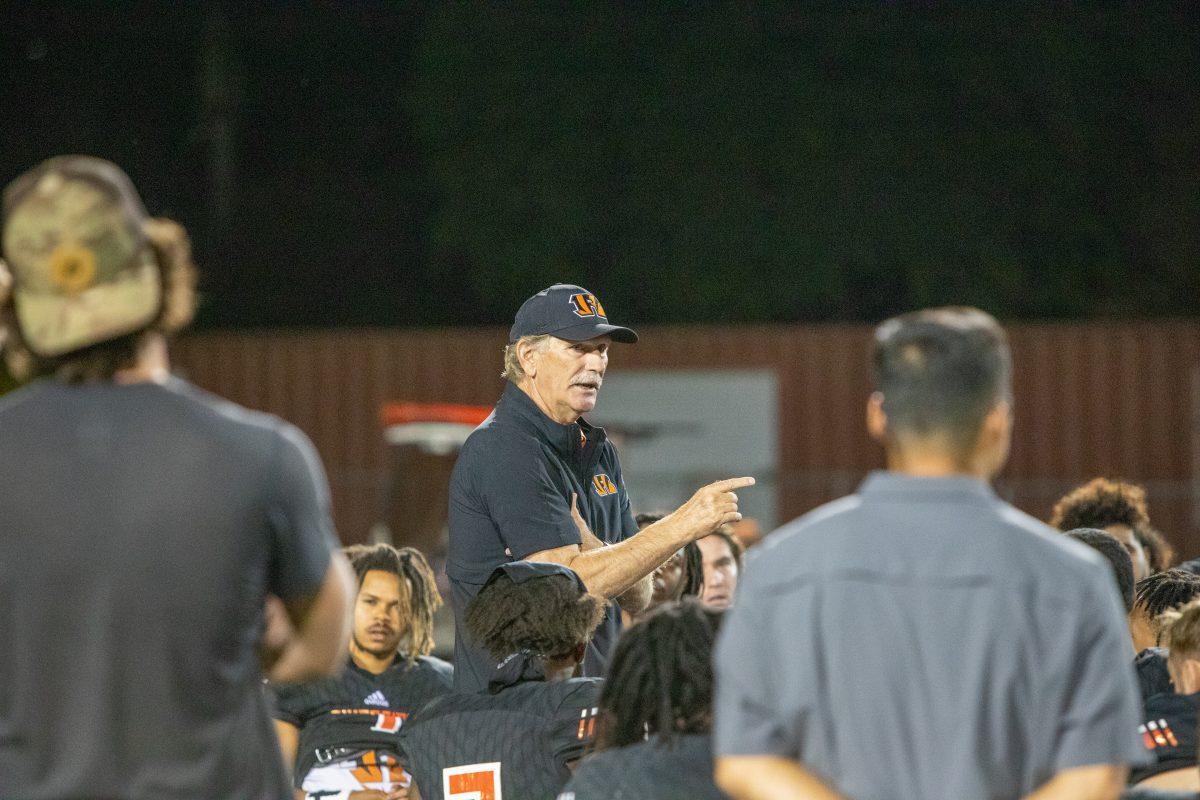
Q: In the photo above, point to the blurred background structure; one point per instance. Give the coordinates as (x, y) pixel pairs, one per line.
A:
(373, 188)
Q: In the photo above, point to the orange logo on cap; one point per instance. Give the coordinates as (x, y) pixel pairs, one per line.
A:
(604, 485)
(586, 305)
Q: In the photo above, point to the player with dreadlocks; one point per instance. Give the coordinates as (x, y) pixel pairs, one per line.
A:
(520, 737)
(681, 575)
(1154, 596)
(656, 712)
(342, 732)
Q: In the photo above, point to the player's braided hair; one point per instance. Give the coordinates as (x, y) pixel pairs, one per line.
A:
(660, 679)
(416, 582)
(1165, 591)
(1100, 503)
(549, 616)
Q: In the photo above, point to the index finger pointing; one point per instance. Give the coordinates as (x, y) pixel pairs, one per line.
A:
(729, 484)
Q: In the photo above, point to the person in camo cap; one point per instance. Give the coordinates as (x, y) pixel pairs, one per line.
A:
(144, 522)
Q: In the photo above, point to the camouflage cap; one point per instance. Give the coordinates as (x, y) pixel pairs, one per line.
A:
(83, 272)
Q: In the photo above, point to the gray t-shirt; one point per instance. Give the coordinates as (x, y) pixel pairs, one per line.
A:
(923, 640)
(140, 528)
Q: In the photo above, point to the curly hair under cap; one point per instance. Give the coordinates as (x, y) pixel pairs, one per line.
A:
(549, 616)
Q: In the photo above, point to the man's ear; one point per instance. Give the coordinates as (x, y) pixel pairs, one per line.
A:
(580, 652)
(876, 418)
(527, 356)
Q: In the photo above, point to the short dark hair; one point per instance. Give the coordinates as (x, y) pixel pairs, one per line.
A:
(941, 371)
(660, 678)
(1100, 503)
(735, 547)
(416, 580)
(1164, 591)
(549, 616)
(1117, 555)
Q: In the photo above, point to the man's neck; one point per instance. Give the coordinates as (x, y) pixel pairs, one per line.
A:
(934, 462)
(370, 662)
(151, 365)
(561, 416)
(560, 669)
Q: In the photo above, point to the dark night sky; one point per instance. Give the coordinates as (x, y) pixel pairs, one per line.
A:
(408, 164)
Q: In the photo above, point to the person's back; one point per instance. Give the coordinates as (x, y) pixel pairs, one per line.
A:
(651, 770)
(951, 621)
(521, 739)
(921, 639)
(144, 522)
(134, 577)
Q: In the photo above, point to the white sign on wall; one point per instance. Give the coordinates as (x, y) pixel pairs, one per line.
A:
(679, 429)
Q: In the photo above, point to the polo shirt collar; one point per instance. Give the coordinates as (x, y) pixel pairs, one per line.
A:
(885, 484)
(565, 439)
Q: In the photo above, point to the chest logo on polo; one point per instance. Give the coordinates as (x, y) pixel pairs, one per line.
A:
(603, 485)
(585, 304)
(376, 698)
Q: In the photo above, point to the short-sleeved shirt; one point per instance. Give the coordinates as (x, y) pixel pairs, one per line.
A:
(142, 527)
(1168, 732)
(510, 496)
(520, 739)
(922, 639)
(651, 770)
(358, 710)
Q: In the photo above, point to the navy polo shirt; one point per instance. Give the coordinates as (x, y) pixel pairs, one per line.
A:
(510, 497)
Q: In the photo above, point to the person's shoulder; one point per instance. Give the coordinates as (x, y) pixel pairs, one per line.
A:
(576, 693)
(223, 413)
(777, 550)
(497, 442)
(1044, 549)
(435, 670)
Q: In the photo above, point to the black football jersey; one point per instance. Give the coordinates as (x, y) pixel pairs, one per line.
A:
(466, 745)
(650, 770)
(357, 710)
(1168, 730)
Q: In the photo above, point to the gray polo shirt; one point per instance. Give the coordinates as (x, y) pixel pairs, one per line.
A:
(921, 640)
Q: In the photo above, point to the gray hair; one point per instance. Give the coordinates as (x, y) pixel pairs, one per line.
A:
(512, 364)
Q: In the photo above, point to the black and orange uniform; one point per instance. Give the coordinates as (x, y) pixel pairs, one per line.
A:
(357, 716)
(519, 738)
(1168, 731)
(656, 769)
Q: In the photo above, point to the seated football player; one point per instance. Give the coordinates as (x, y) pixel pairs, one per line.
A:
(1169, 728)
(521, 736)
(656, 712)
(341, 733)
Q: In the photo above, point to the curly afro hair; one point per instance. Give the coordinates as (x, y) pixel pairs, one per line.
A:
(550, 616)
(1100, 503)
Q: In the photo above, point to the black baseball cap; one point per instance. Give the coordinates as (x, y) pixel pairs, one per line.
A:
(567, 312)
(521, 571)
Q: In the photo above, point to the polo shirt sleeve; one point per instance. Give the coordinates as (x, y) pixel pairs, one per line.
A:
(749, 716)
(299, 517)
(528, 509)
(1098, 724)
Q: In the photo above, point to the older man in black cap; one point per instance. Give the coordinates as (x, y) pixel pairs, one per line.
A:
(537, 482)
